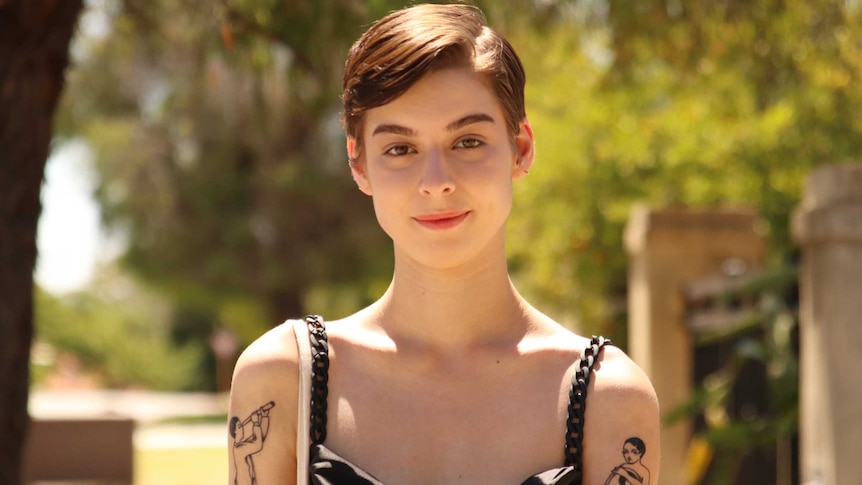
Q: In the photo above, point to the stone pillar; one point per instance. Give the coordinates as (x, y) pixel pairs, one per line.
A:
(828, 227)
(667, 249)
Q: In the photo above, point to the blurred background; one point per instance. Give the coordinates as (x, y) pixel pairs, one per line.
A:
(197, 191)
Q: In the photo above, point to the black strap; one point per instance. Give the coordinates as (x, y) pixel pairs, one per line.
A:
(578, 402)
(319, 377)
(577, 394)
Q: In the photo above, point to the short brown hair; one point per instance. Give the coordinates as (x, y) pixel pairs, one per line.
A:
(407, 44)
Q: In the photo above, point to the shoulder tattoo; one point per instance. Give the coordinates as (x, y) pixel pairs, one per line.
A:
(631, 471)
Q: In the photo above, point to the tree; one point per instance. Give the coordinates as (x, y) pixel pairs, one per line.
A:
(34, 45)
(698, 104)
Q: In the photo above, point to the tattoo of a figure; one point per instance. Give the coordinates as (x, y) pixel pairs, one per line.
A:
(248, 437)
(631, 471)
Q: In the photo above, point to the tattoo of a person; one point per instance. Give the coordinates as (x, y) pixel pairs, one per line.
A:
(632, 471)
(248, 437)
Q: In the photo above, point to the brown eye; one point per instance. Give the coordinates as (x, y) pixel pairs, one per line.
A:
(398, 150)
(469, 142)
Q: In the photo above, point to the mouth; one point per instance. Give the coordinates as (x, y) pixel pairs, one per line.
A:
(442, 220)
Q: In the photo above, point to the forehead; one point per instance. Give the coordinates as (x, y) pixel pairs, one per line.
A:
(436, 100)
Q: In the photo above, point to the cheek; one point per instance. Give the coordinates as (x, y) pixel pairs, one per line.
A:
(382, 205)
(382, 220)
(497, 190)
(388, 203)
(500, 190)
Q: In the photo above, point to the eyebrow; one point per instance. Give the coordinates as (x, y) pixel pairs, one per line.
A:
(393, 129)
(455, 125)
(469, 120)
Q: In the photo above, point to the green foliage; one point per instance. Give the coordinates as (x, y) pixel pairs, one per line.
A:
(700, 104)
(119, 336)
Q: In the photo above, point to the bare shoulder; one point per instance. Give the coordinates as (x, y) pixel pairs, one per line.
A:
(622, 423)
(276, 345)
(273, 354)
(619, 375)
(263, 409)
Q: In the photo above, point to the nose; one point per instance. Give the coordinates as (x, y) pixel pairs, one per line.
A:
(436, 179)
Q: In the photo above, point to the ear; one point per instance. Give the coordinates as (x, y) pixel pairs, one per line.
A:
(357, 166)
(526, 150)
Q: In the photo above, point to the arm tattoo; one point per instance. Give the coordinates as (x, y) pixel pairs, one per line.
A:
(631, 471)
(248, 437)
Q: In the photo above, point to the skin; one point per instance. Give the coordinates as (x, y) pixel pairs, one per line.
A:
(427, 386)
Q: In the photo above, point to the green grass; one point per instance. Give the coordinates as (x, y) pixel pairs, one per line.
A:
(181, 466)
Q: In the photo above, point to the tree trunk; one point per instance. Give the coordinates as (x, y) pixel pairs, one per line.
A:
(34, 46)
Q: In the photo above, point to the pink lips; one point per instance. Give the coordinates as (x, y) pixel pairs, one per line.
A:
(442, 220)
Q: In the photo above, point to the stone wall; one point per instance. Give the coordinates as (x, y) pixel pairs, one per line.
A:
(828, 227)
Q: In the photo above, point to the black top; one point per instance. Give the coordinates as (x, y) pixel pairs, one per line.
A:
(327, 468)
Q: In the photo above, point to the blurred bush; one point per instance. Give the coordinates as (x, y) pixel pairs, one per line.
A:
(120, 337)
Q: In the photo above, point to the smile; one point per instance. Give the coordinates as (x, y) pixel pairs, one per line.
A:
(441, 220)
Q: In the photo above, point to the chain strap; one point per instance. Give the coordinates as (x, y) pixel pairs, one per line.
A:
(319, 377)
(577, 394)
(578, 402)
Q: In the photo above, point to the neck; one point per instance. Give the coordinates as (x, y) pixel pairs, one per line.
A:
(452, 309)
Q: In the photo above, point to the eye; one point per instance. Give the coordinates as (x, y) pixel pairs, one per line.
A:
(469, 142)
(399, 150)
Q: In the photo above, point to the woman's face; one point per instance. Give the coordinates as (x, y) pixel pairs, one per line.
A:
(439, 163)
(631, 453)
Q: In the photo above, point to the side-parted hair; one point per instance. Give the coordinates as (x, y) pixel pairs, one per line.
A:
(407, 44)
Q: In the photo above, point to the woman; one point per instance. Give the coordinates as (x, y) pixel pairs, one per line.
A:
(632, 471)
(451, 377)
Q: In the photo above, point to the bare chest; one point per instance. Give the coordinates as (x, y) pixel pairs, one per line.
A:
(489, 423)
